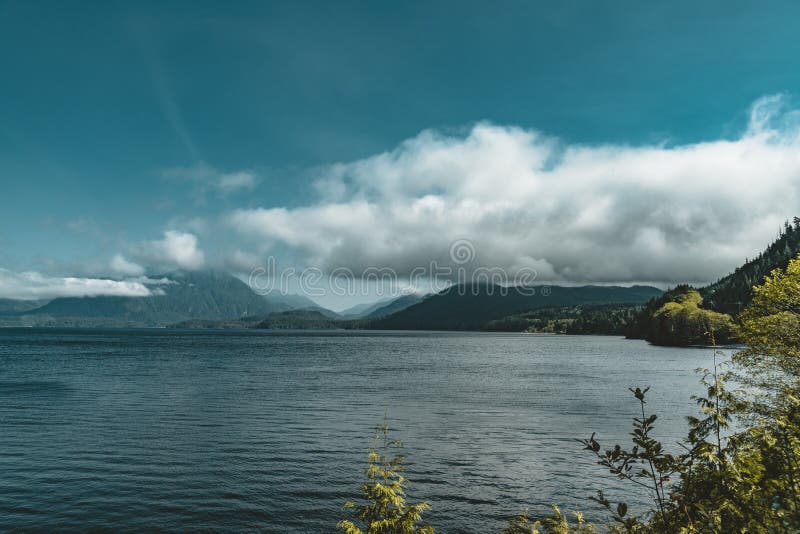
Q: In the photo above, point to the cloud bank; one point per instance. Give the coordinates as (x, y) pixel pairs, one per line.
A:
(35, 286)
(575, 213)
(176, 250)
(120, 265)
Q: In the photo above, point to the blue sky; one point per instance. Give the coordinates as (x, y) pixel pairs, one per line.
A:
(122, 121)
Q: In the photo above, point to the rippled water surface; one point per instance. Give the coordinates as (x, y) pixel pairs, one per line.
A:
(134, 430)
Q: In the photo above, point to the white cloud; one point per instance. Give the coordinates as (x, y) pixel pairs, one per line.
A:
(32, 286)
(176, 249)
(206, 177)
(236, 180)
(607, 213)
(124, 267)
(240, 261)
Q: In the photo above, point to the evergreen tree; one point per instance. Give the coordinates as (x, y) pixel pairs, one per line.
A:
(384, 509)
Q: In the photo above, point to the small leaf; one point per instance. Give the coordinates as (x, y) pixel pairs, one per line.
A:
(622, 509)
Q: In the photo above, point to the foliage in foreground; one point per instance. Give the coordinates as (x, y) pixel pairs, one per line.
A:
(722, 481)
(383, 507)
(558, 523)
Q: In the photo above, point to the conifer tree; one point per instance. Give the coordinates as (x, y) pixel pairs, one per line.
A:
(383, 508)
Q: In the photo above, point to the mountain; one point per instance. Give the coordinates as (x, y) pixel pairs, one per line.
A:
(179, 296)
(14, 306)
(381, 308)
(394, 306)
(300, 302)
(294, 302)
(471, 307)
(362, 310)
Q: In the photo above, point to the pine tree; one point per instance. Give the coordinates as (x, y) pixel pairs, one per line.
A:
(384, 509)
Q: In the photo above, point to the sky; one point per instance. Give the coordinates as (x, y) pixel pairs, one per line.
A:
(605, 142)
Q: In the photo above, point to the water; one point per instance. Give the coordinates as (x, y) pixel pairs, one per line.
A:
(134, 430)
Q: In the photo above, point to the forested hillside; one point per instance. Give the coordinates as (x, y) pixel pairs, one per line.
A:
(596, 319)
(734, 292)
(472, 307)
(688, 316)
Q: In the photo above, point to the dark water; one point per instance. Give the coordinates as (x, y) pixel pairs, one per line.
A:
(156, 430)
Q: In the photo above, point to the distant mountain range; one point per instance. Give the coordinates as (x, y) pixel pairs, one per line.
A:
(213, 299)
(13, 306)
(201, 299)
(181, 296)
(381, 308)
(361, 310)
(477, 307)
(474, 307)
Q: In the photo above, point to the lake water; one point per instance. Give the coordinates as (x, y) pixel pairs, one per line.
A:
(132, 430)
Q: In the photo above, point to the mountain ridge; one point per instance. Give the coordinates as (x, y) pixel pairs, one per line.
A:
(472, 306)
(178, 296)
